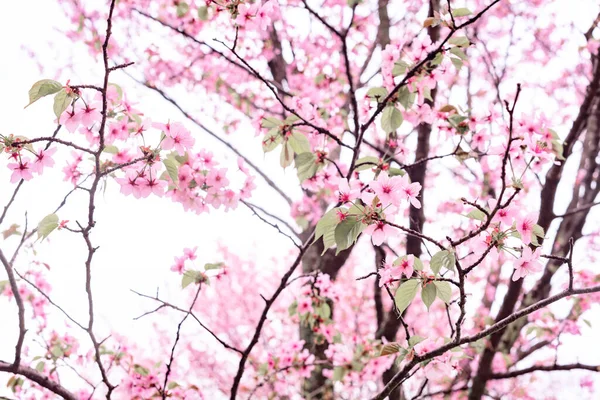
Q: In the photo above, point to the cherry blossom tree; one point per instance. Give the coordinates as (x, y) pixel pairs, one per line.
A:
(443, 160)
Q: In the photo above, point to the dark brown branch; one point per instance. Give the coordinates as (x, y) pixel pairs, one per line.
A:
(21, 311)
(40, 379)
(565, 367)
(498, 326)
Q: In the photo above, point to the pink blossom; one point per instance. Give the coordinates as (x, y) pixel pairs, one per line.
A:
(178, 138)
(43, 159)
(190, 254)
(405, 265)
(379, 231)
(525, 225)
(90, 115)
(70, 120)
(348, 193)
(387, 189)
(304, 305)
(528, 263)
(21, 170)
(410, 190)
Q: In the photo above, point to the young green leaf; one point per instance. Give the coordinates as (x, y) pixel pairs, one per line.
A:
(306, 165)
(405, 294)
(428, 293)
(461, 12)
(172, 169)
(347, 232)
(43, 88)
(62, 100)
(444, 291)
(389, 348)
(391, 119)
(47, 225)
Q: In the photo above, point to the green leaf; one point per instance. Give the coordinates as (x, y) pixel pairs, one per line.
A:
(271, 122)
(299, 143)
(306, 165)
(458, 52)
(111, 149)
(399, 68)
(339, 373)
(271, 140)
(287, 155)
(172, 385)
(324, 311)
(538, 231)
(328, 222)
(415, 340)
(203, 13)
(405, 294)
(378, 93)
(389, 348)
(441, 259)
(57, 351)
(182, 9)
(418, 264)
(188, 278)
(366, 163)
(62, 100)
(396, 172)
(141, 370)
(40, 366)
(476, 214)
(457, 62)
(43, 88)
(405, 97)
(47, 225)
(209, 266)
(460, 41)
(461, 12)
(444, 291)
(347, 232)
(428, 293)
(172, 169)
(391, 119)
(557, 148)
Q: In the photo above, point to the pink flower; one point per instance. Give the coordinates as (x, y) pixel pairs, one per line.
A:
(131, 184)
(190, 254)
(386, 189)
(405, 265)
(90, 115)
(43, 159)
(178, 138)
(348, 193)
(528, 263)
(505, 215)
(410, 190)
(525, 227)
(21, 170)
(179, 265)
(304, 305)
(154, 186)
(386, 274)
(245, 13)
(216, 178)
(70, 120)
(480, 139)
(379, 231)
